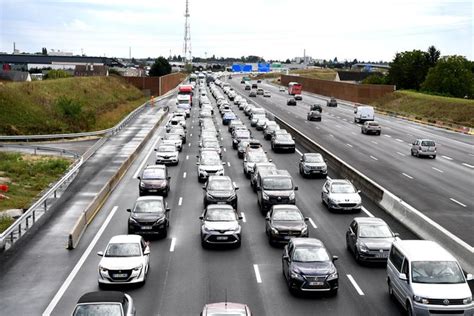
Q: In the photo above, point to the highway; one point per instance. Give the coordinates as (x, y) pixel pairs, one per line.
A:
(441, 188)
(183, 276)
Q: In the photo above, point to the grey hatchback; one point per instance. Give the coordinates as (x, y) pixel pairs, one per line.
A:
(423, 147)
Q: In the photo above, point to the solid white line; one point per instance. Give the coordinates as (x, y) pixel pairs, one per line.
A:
(244, 219)
(446, 157)
(406, 175)
(312, 223)
(456, 201)
(78, 266)
(401, 154)
(354, 283)
(187, 157)
(366, 211)
(399, 140)
(374, 142)
(299, 152)
(373, 158)
(331, 135)
(387, 136)
(173, 244)
(135, 175)
(317, 127)
(468, 165)
(349, 145)
(184, 175)
(180, 201)
(441, 171)
(257, 273)
(225, 149)
(228, 163)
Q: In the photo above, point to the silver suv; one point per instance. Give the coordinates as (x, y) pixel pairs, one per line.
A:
(371, 127)
(423, 147)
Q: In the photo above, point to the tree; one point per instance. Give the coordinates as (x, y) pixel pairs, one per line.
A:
(451, 76)
(375, 78)
(408, 69)
(44, 51)
(160, 67)
(287, 61)
(433, 55)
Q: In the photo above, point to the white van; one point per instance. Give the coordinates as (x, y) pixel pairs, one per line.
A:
(363, 113)
(427, 280)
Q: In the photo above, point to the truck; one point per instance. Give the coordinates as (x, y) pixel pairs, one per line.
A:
(186, 89)
(363, 113)
(294, 88)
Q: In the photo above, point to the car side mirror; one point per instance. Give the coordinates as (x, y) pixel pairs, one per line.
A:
(100, 253)
(245, 159)
(240, 217)
(156, 149)
(469, 277)
(270, 160)
(267, 218)
(201, 217)
(223, 163)
(259, 189)
(306, 219)
(129, 210)
(167, 209)
(146, 252)
(301, 159)
(358, 191)
(402, 276)
(334, 258)
(396, 235)
(293, 137)
(286, 257)
(197, 163)
(296, 188)
(139, 178)
(168, 177)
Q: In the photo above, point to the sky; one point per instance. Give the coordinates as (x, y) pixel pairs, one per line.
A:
(274, 29)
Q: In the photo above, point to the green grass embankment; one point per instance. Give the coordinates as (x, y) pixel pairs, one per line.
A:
(68, 105)
(428, 107)
(26, 176)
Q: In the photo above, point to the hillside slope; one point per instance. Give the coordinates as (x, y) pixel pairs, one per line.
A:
(66, 105)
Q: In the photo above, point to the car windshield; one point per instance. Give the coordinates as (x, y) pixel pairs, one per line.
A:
(242, 134)
(342, 188)
(166, 149)
(375, 231)
(257, 158)
(220, 185)
(436, 272)
(287, 215)
(373, 124)
(284, 137)
(219, 215)
(428, 143)
(310, 254)
(98, 309)
(277, 184)
(154, 174)
(210, 160)
(172, 137)
(148, 207)
(123, 250)
(314, 159)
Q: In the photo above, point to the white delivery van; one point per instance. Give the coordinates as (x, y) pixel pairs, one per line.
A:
(427, 280)
(363, 114)
(183, 101)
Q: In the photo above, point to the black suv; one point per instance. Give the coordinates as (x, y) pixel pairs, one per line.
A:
(149, 216)
(284, 222)
(220, 190)
(154, 180)
(103, 302)
(275, 188)
(332, 102)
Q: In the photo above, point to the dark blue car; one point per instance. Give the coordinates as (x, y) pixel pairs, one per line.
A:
(228, 116)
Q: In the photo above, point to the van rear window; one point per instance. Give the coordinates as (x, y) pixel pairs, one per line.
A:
(429, 143)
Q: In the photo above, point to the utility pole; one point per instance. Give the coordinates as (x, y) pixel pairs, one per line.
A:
(187, 36)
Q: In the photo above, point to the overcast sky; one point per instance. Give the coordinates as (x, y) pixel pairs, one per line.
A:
(275, 29)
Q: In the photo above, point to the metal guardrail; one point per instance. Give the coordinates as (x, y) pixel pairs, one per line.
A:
(44, 203)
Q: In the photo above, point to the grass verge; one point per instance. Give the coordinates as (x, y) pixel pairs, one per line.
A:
(27, 176)
(428, 107)
(69, 105)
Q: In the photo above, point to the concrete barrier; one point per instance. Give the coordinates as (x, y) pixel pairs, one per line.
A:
(93, 208)
(407, 215)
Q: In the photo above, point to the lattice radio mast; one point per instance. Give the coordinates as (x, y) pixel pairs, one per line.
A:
(187, 37)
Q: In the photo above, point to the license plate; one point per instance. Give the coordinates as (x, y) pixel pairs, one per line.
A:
(316, 283)
(382, 255)
(152, 190)
(286, 237)
(220, 202)
(146, 227)
(120, 275)
(222, 238)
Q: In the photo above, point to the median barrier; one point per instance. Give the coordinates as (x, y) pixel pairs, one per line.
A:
(407, 215)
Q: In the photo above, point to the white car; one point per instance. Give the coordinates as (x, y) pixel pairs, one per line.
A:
(282, 89)
(125, 260)
(340, 194)
(166, 154)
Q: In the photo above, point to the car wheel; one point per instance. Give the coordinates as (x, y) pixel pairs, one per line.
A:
(390, 289)
(203, 244)
(333, 292)
(434, 156)
(165, 233)
(102, 286)
(166, 193)
(411, 152)
(409, 309)
(347, 244)
(356, 255)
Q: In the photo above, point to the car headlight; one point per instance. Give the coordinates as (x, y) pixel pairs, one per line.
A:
(363, 247)
(467, 300)
(333, 276)
(292, 196)
(142, 184)
(274, 230)
(132, 220)
(202, 171)
(138, 268)
(420, 299)
(265, 196)
(160, 220)
(206, 229)
(103, 269)
(295, 275)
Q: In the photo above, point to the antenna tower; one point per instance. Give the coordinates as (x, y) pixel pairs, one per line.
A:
(187, 37)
